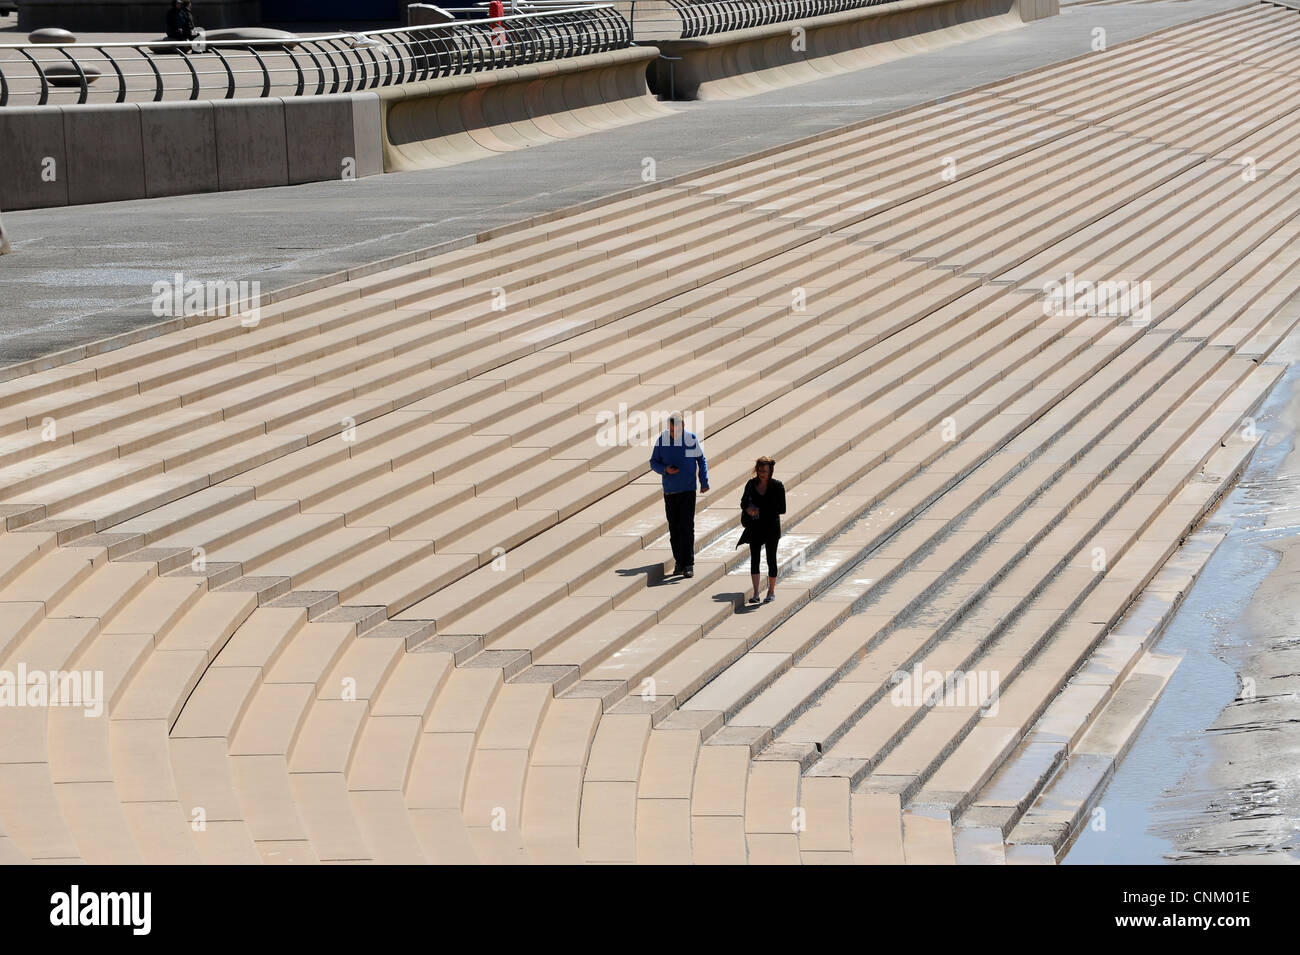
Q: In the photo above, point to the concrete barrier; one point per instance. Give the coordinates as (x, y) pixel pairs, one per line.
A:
(457, 118)
(53, 156)
(745, 62)
(97, 153)
(105, 152)
(180, 149)
(33, 152)
(252, 148)
(331, 137)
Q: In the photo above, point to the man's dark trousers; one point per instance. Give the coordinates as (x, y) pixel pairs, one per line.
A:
(680, 508)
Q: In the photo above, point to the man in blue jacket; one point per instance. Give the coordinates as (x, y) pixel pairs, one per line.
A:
(677, 454)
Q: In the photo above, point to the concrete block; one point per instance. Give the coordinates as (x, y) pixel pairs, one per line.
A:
(180, 148)
(251, 143)
(368, 133)
(33, 156)
(105, 152)
(318, 137)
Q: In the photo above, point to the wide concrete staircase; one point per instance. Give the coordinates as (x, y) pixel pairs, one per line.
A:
(367, 580)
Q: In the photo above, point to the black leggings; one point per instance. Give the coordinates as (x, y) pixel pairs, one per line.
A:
(754, 548)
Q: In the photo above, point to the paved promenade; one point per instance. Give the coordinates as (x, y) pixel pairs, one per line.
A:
(85, 273)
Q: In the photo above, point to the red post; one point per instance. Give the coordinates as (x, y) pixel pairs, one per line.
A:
(496, 10)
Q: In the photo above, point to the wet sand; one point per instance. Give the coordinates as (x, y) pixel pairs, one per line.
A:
(1214, 777)
(1251, 813)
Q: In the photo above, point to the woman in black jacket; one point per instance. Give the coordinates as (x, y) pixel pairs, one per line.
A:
(761, 505)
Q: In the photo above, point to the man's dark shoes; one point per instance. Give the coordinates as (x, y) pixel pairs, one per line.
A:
(688, 572)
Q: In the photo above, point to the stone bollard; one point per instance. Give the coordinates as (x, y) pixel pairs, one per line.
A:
(51, 35)
(5, 247)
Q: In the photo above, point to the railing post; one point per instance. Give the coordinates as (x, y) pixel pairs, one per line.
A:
(81, 75)
(194, 87)
(121, 78)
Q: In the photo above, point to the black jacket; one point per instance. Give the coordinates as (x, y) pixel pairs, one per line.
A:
(770, 508)
(180, 24)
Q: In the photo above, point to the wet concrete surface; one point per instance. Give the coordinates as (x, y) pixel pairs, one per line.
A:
(1214, 776)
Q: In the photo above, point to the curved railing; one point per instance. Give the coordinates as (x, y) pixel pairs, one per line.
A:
(40, 74)
(721, 16)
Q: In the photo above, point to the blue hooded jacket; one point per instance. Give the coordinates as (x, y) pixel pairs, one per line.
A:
(686, 454)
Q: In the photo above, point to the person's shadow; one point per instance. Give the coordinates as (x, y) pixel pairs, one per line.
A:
(654, 574)
(655, 577)
(737, 601)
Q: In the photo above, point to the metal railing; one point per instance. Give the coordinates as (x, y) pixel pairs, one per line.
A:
(43, 74)
(708, 17)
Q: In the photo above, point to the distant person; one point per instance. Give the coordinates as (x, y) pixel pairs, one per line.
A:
(677, 455)
(180, 21)
(761, 505)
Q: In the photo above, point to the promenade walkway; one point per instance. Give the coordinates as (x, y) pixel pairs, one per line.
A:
(86, 273)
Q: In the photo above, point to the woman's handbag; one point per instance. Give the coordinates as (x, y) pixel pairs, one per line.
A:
(747, 520)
